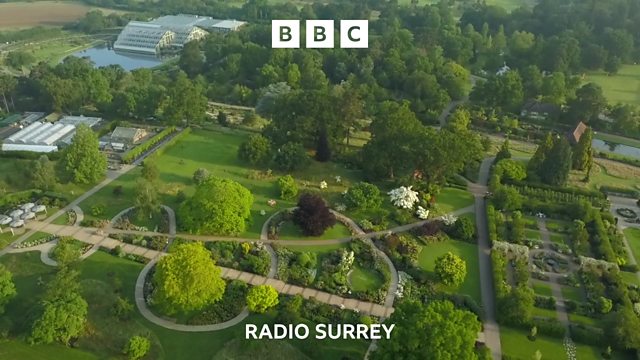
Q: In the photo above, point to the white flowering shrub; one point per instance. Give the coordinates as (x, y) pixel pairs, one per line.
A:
(323, 184)
(513, 250)
(591, 264)
(449, 219)
(570, 348)
(403, 197)
(403, 278)
(338, 179)
(422, 213)
(636, 308)
(340, 207)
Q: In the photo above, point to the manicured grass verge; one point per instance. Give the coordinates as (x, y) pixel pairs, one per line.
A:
(468, 252)
(630, 278)
(451, 199)
(290, 231)
(572, 293)
(541, 289)
(532, 234)
(633, 238)
(558, 238)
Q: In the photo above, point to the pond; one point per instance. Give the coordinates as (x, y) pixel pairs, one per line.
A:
(619, 149)
(104, 56)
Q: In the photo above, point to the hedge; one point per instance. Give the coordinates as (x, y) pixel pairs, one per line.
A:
(606, 189)
(139, 150)
(171, 142)
(588, 335)
(30, 155)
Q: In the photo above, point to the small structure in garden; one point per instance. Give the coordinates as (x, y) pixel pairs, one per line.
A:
(627, 213)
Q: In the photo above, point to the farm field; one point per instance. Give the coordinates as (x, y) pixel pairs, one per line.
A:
(624, 87)
(468, 253)
(16, 15)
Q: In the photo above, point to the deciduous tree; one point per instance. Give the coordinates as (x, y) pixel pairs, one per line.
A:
(262, 297)
(83, 159)
(219, 206)
(451, 269)
(7, 287)
(187, 279)
(431, 332)
(313, 215)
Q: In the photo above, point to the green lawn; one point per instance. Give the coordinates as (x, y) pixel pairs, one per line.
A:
(584, 320)
(451, 199)
(532, 234)
(633, 238)
(468, 252)
(622, 87)
(217, 152)
(6, 238)
(630, 278)
(362, 279)
(290, 231)
(572, 293)
(13, 173)
(558, 238)
(541, 288)
(544, 313)
(37, 236)
(101, 276)
(516, 344)
(559, 226)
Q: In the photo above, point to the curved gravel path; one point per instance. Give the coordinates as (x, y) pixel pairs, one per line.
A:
(171, 324)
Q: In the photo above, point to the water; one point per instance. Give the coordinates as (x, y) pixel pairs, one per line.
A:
(619, 149)
(104, 56)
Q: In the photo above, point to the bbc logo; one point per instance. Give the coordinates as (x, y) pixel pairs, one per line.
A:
(354, 34)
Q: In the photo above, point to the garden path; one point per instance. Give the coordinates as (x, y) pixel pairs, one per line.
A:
(490, 325)
(556, 290)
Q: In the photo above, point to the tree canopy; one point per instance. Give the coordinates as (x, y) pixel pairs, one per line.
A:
(436, 330)
(187, 279)
(262, 297)
(218, 206)
(83, 159)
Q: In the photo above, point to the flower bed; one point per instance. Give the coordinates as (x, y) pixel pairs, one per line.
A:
(627, 213)
(249, 257)
(32, 243)
(150, 242)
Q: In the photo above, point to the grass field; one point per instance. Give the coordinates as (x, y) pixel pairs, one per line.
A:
(468, 252)
(624, 87)
(451, 199)
(16, 15)
(633, 238)
(516, 344)
(362, 279)
(105, 336)
(541, 288)
(572, 293)
(544, 313)
(532, 234)
(607, 172)
(559, 226)
(290, 231)
(630, 278)
(6, 238)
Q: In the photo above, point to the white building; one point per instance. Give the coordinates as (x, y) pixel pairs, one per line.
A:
(45, 137)
(171, 31)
